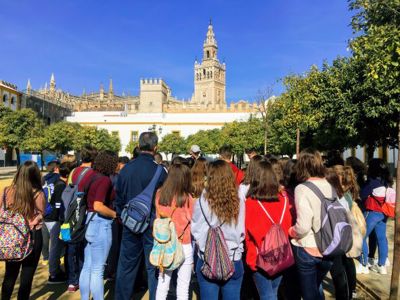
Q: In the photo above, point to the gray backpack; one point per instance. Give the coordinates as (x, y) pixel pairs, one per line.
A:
(335, 236)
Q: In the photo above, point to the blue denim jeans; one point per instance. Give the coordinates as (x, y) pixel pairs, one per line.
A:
(267, 287)
(98, 237)
(130, 255)
(375, 221)
(312, 271)
(56, 246)
(230, 289)
(74, 261)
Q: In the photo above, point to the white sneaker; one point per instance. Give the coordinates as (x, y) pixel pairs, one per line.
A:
(387, 263)
(379, 269)
(362, 269)
(371, 262)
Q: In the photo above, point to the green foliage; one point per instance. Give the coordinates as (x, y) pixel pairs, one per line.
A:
(209, 140)
(130, 147)
(22, 130)
(172, 143)
(97, 137)
(244, 135)
(61, 137)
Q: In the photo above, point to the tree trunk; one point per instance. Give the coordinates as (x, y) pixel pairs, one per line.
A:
(394, 284)
(297, 143)
(370, 152)
(265, 138)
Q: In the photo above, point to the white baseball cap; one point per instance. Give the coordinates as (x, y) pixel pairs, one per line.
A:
(195, 149)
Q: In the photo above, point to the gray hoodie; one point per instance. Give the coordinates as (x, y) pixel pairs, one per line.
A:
(233, 233)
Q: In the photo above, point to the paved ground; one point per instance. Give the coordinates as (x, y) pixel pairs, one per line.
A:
(379, 284)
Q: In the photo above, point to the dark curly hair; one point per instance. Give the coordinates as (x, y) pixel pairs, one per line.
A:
(106, 162)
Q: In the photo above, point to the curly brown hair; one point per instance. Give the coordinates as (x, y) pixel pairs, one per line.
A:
(106, 163)
(199, 172)
(221, 192)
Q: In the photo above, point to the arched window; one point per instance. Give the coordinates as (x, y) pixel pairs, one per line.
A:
(12, 100)
(5, 98)
(210, 74)
(204, 72)
(208, 54)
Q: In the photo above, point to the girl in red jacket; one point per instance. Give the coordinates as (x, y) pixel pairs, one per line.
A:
(264, 194)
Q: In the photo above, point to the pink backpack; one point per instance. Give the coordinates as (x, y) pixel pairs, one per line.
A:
(275, 254)
(15, 236)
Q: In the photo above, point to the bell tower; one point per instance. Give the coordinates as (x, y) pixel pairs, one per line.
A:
(209, 75)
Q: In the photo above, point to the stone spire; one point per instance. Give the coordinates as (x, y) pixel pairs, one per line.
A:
(210, 46)
(101, 91)
(52, 83)
(28, 87)
(111, 90)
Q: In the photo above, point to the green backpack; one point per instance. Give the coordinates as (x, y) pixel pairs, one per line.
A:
(167, 252)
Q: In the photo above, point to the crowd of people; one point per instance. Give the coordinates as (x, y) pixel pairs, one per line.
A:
(220, 213)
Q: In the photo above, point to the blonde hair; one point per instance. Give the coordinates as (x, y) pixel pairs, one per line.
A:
(221, 192)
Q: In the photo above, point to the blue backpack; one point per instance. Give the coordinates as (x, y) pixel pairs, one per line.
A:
(136, 213)
(48, 190)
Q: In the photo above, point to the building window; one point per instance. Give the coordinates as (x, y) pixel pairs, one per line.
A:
(115, 133)
(12, 100)
(134, 136)
(176, 132)
(5, 98)
(208, 54)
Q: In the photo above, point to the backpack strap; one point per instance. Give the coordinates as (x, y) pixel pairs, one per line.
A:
(152, 185)
(205, 218)
(316, 190)
(81, 175)
(4, 199)
(269, 216)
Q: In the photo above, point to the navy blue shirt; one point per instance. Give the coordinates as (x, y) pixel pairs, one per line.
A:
(134, 178)
(370, 185)
(51, 178)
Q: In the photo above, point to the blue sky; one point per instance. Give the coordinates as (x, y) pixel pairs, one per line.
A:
(87, 42)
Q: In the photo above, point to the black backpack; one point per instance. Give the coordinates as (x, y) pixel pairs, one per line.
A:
(335, 236)
(74, 227)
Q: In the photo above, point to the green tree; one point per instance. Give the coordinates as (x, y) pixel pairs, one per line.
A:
(172, 143)
(97, 137)
(21, 130)
(209, 141)
(61, 137)
(243, 135)
(131, 146)
(376, 53)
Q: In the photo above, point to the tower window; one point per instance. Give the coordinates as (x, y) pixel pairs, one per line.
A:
(210, 74)
(208, 54)
(204, 72)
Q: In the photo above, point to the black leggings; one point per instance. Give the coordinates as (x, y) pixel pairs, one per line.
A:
(343, 274)
(29, 265)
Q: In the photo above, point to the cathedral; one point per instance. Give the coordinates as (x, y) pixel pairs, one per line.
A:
(155, 95)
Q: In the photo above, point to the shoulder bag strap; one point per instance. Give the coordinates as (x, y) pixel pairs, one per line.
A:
(205, 215)
(81, 175)
(4, 199)
(315, 189)
(155, 178)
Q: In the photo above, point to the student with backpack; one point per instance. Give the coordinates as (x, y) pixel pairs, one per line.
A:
(136, 187)
(25, 199)
(174, 204)
(268, 219)
(52, 222)
(218, 229)
(343, 271)
(81, 177)
(98, 226)
(311, 254)
(48, 182)
(375, 193)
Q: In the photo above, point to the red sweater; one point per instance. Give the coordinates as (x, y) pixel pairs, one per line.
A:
(239, 174)
(257, 224)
